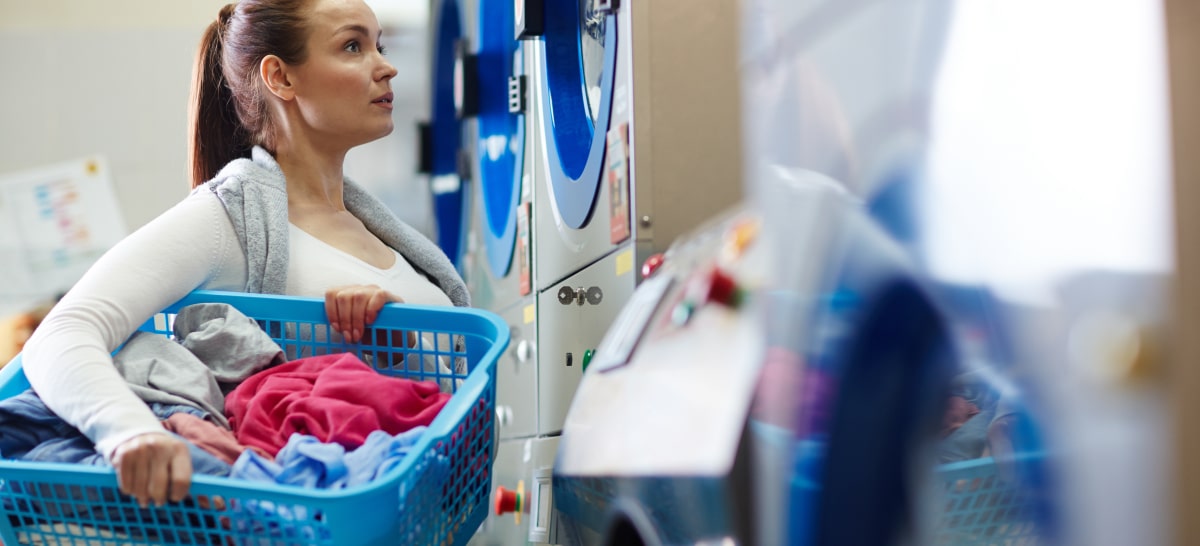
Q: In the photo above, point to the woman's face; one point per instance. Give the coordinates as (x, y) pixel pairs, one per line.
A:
(343, 89)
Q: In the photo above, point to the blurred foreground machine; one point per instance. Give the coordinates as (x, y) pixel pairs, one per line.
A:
(948, 327)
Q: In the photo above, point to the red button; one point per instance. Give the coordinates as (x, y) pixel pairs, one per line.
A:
(724, 289)
(506, 501)
(651, 265)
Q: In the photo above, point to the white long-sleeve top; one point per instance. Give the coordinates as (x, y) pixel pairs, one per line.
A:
(191, 246)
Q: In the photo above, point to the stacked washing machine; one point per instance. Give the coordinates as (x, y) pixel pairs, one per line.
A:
(596, 133)
(440, 137)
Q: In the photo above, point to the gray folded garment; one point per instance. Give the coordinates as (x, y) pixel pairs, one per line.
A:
(215, 348)
(254, 193)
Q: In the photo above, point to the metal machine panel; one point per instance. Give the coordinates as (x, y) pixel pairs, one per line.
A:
(562, 249)
(568, 332)
(524, 464)
(489, 291)
(516, 377)
(684, 107)
(512, 466)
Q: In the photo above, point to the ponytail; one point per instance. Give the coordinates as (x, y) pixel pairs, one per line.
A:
(228, 113)
(217, 136)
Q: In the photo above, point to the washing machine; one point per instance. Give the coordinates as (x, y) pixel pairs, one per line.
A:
(961, 338)
(585, 220)
(494, 83)
(612, 79)
(498, 261)
(498, 269)
(440, 137)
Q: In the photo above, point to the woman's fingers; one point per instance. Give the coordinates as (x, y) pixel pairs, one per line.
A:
(157, 481)
(331, 312)
(153, 468)
(351, 309)
(377, 301)
(181, 474)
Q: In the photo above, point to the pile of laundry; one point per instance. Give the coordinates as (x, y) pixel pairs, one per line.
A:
(222, 384)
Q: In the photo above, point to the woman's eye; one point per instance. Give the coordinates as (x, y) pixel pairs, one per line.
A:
(352, 47)
(382, 50)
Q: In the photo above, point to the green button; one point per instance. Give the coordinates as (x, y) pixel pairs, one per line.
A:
(587, 358)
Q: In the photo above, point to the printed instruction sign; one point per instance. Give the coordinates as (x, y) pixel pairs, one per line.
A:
(524, 256)
(617, 176)
(55, 222)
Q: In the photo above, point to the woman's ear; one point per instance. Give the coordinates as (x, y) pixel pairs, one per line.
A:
(274, 74)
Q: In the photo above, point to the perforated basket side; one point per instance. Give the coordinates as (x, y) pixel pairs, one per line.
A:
(436, 494)
(981, 508)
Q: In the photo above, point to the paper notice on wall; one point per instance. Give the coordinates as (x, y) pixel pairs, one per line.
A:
(55, 222)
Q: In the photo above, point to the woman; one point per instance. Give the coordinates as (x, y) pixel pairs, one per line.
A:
(282, 90)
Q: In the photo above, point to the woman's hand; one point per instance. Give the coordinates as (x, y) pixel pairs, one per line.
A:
(350, 309)
(153, 468)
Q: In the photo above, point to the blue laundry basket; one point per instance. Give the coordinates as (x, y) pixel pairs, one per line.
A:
(976, 505)
(437, 495)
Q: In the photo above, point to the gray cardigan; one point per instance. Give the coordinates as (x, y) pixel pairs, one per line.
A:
(254, 193)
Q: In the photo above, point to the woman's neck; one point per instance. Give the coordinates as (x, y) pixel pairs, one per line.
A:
(314, 176)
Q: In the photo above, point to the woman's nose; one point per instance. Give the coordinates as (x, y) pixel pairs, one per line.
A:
(386, 71)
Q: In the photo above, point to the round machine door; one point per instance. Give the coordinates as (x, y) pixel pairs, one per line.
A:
(579, 59)
(445, 130)
(500, 148)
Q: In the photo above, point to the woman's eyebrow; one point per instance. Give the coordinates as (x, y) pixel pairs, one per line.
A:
(355, 27)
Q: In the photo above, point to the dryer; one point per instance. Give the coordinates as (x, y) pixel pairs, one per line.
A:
(591, 208)
(612, 81)
(440, 138)
(497, 265)
(497, 158)
(616, 78)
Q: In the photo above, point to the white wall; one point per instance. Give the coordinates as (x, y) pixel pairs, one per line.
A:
(81, 77)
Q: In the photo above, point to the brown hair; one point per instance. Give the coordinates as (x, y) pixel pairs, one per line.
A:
(227, 112)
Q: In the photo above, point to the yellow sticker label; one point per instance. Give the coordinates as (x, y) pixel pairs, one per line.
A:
(624, 262)
(530, 313)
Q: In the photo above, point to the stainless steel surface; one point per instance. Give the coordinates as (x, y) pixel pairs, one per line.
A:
(527, 461)
(574, 329)
(671, 385)
(1183, 42)
(516, 373)
(684, 133)
(514, 462)
(487, 290)
(558, 249)
(686, 140)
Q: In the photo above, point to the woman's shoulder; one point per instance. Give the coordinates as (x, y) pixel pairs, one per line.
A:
(198, 210)
(261, 171)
